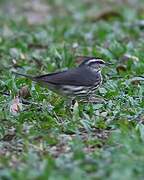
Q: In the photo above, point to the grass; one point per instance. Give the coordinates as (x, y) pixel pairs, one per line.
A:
(44, 140)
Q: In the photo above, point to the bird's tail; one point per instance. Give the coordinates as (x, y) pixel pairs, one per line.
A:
(25, 75)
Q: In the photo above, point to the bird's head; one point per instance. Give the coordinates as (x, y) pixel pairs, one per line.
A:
(94, 63)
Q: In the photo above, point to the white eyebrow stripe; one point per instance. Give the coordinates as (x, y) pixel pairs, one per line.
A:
(94, 60)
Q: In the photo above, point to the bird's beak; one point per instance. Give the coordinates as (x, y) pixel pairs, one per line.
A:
(108, 64)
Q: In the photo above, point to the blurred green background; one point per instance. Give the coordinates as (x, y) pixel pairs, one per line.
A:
(43, 139)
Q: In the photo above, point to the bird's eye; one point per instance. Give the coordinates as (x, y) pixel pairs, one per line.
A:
(100, 62)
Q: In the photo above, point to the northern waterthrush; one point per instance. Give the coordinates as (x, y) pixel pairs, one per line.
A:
(81, 81)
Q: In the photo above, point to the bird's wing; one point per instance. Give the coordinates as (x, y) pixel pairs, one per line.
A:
(78, 76)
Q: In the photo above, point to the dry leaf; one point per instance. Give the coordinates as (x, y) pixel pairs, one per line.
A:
(22, 56)
(127, 57)
(136, 80)
(121, 68)
(37, 46)
(24, 92)
(105, 14)
(16, 106)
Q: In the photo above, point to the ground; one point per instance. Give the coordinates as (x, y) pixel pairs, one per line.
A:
(40, 138)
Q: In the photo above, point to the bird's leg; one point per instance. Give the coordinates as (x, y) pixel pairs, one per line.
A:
(96, 100)
(91, 98)
(73, 101)
(70, 103)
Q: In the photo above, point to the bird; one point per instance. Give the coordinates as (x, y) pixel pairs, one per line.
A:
(78, 82)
